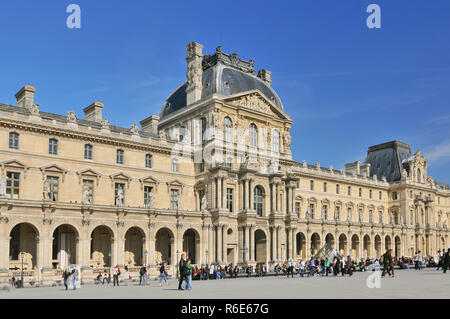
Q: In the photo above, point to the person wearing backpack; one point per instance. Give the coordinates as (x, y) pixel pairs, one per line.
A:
(143, 275)
(65, 276)
(116, 273)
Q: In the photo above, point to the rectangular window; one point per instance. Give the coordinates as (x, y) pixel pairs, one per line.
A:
(297, 209)
(119, 157)
(311, 210)
(147, 196)
(14, 140)
(380, 195)
(12, 185)
(175, 165)
(370, 193)
(360, 192)
(88, 191)
(337, 212)
(394, 196)
(230, 199)
(337, 188)
(54, 187)
(311, 185)
(174, 198)
(201, 194)
(325, 187)
(349, 191)
(298, 184)
(148, 161)
(119, 194)
(181, 133)
(53, 146)
(87, 152)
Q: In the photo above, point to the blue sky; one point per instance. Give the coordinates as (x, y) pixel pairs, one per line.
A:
(345, 86)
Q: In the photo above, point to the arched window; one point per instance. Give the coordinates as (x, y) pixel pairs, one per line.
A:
(227, 129)
(181, 133)
(14, 140)
(276, 141)
(253, 135)
(258, 200)
(419, 177)
(148, 160)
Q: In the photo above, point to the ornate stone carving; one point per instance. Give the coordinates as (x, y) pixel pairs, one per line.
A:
(286, 139)
(253, 101)
(119, 197)
(71, 117)
(87, 195)
(46, 190)
(105, 123)
(34, 109)
(3, 187)
(134, 129)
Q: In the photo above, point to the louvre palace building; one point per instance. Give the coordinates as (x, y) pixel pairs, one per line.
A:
(212, 175)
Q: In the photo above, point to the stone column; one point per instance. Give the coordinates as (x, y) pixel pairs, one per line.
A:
(288, 196)
(247, 243)
(224, 244)
(294, 244)
(250, 195)
(219, 192)
(224, 194)
(274, 243)
(245, 200)
(4, 254)
(272, 198)
(279, 238)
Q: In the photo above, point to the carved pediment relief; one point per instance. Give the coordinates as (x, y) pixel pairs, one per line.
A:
(176, 184)
(255, 100)
(53, 169)
(120, 176)
(89, 173)
(149, 180)
(13, 164)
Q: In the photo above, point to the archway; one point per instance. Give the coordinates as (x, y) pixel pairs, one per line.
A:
(387, 243)
(301, 245)
(397, 249)
(329, 239)
(190, 242)
(378, 251)
(315, 243)
(23, 238)
(101, 246)
(367, 245)
(64, 250)
(134, 247)
(164, 242)
(260, 246)
(342, 245)
(444, 247)
(355, 246)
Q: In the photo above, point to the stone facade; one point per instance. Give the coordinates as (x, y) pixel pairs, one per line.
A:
(213, 176)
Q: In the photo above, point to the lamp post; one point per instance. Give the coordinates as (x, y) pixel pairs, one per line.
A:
(22, 256)
(178, 253)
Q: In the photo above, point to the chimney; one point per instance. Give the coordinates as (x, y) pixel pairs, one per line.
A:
(150, 124)
(94, 112)
(365, 169)
(353, 167)
(25, 97)
(265, 76)
(194, 72)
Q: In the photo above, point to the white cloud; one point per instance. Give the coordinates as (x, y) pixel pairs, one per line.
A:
(439, 152)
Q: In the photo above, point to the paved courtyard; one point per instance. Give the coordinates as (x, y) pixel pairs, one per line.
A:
(427, 283)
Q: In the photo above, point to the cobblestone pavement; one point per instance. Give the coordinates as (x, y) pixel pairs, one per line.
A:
(427, 283)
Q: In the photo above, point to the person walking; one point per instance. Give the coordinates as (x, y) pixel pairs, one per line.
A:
(388, 264)
(420, 260)
(162, 275)
(99, 279)
(74, 275)
(446, 261)
(182, 271)
(143, 275)
(189, 271)
(327, 266)
(65, 276)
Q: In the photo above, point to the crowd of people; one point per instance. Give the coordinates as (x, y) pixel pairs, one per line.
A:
(312, 267)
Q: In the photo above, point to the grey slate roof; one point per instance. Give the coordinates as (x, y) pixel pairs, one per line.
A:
(224, 80)
(385, 159)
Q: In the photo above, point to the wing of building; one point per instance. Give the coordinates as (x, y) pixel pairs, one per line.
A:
(212, 175)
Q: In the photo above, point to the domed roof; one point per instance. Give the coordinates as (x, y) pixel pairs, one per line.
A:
(221, 78)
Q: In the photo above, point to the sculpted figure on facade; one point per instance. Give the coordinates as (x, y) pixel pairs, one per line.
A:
(3, 186)
(286, 139)
(360, 215)
(205, 202)
(34, 109)
(381, 217)
(87, 192)
(151, 200)
(194, 75)
(349, 215)
(371, 217)
(46, 190)
(134, 129)
(71, 117)
(119, 197)
(105, 123)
